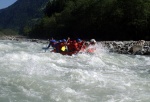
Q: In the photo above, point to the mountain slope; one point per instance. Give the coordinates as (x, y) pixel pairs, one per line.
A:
(18, 14)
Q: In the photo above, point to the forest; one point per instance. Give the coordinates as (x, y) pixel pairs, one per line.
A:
(99, 19)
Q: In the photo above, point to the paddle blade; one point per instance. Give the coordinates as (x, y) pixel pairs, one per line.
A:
(63, 48)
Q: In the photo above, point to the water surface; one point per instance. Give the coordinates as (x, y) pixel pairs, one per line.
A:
(29, 74)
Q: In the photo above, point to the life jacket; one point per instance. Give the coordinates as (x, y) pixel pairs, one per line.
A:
(90, 50)
(57, 47)
(80, 44)
(53, 44)
(73, 46)
(83, 48)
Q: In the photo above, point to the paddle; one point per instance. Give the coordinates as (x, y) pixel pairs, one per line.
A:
(46, 48)
(64, 48)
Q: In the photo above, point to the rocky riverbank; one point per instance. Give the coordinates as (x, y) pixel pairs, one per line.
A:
(140, 47)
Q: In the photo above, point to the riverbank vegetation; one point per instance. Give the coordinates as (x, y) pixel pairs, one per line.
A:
(100, 19)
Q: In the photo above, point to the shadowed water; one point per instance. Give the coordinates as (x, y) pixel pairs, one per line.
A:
(29, 74)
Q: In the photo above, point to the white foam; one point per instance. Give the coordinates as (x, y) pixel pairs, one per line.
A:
(27, 73)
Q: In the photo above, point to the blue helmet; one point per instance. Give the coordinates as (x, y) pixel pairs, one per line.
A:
(64, 40)
(53, 41)
(79, 40)
(60, 41)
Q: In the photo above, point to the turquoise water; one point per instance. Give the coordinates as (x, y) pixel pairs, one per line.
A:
(29, 74)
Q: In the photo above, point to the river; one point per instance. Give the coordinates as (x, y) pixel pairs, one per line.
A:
(29, 74)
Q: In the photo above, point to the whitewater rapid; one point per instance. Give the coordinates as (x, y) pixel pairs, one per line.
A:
(29, 74)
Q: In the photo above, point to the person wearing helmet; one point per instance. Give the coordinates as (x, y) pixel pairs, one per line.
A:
(80, 43)
(92, 41)
(87, 44)
(63, 45)
(84, 46)
(58, 46)
(91, 46)
(73, 46)
(51, 43)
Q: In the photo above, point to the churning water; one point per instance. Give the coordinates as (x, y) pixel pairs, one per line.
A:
(28, 74)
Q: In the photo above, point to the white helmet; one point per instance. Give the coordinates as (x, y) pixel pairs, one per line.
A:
(87, 43)
(93, 40)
